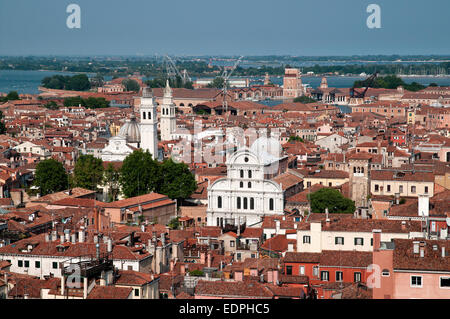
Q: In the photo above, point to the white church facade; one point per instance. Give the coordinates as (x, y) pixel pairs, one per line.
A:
(245, 195)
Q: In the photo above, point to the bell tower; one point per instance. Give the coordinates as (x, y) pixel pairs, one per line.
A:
(149, 123)
(359, 179)
(168, 119)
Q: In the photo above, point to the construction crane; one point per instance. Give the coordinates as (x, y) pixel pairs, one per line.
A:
(173, 72)
(367, 83)
(225, 76)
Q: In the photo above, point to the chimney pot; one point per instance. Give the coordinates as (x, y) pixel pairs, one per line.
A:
(415, 247)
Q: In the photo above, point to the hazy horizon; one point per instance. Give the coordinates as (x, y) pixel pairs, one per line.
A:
(208, 28)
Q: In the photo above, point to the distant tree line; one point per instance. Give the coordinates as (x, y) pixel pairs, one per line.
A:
(390, 82)
(79, 82)
(90, 102)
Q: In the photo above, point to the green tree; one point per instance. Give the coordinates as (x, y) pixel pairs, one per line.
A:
(175, 180)
(139, 174)
(174, 223)
(111, 181)
(88, 172)
(2, 125)
(296, 139)
(131, 85)
(79, 82)
(197, 273)
(13, 95)
(50, 177)
(51, 105)
(218, 83)
(331, 199)
(304, 99)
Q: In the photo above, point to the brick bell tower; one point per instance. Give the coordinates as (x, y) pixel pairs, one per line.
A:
(359, 178)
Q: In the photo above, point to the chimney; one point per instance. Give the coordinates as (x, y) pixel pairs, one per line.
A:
(424, 205)
(47, 237)
(202, 258)
(376, 233)
(6, 285)
(62, 239)
(63, 285)
(74, 238)
(54, 235)
(277, 226)
(209, 259)
(67, 235)
(97, 218)
(163, 239)
(327, 222)
(415, 247)
(143, 228)
(290, 247)
(183, 269)
(81, 236)
(109, 245)
(403, 224)
(172, 265)
(422, 249)
(326, 213)
(397, 198)
(238, 275)
(269, 276)
(275, 276)
(443, 252)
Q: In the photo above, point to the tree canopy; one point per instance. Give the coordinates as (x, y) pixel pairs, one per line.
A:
(390, 82)
(11, 96)
(88, 172)
(217, 83)
(90, 102)
(79, 82)
(50, 177)
(131, 85)
(331, 199)
(175, 180)
(2, 125)
(304, 99)
(139, 174)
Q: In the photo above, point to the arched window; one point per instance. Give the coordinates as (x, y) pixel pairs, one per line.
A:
(362, 169)
(241, 184)
(245, 203)
(249, 174)
(354, 169)
(238, 203)
(143, 115)
(149, 115)
(242, 173)
(252, 203)
(219, 202)
(249, 184)
(271, 204)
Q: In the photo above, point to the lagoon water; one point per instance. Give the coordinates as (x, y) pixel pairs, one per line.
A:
(28, 81)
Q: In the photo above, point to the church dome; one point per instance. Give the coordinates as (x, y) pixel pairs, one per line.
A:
(130, 130)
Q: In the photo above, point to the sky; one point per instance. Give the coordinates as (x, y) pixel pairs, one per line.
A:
(224, 27)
